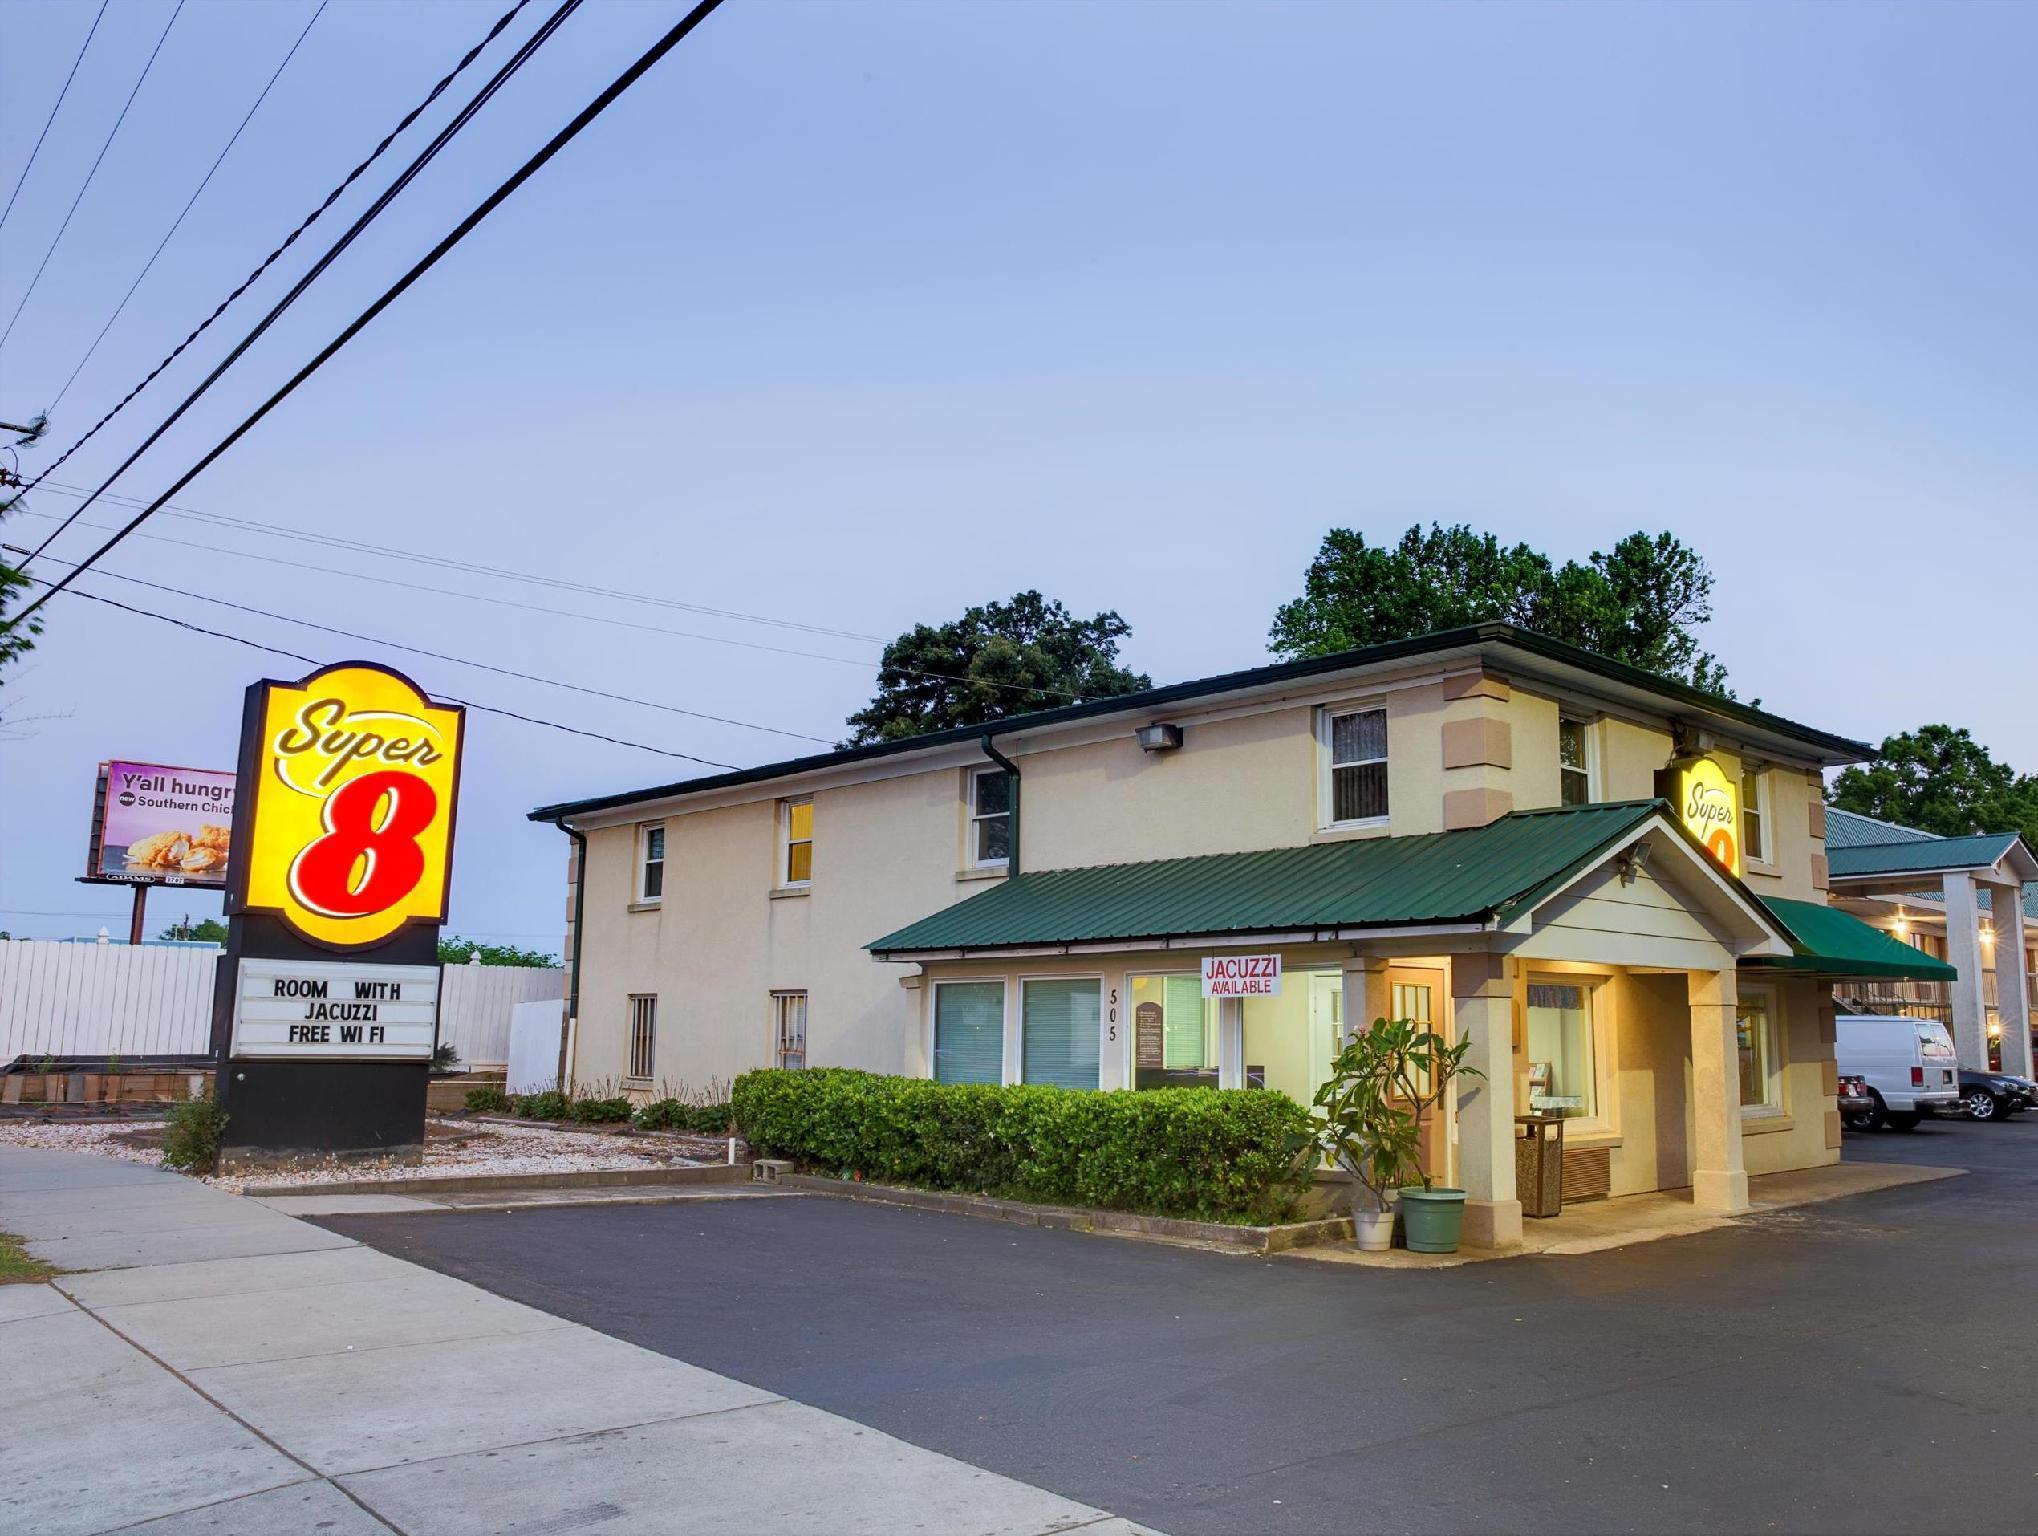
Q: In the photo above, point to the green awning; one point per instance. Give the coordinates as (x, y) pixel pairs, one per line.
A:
(1476, 876)
(1830, 942)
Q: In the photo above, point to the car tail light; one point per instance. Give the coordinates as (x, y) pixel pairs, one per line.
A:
(1917, 1077)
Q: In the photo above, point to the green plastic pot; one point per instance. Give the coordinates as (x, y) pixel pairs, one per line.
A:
(1432, 1220)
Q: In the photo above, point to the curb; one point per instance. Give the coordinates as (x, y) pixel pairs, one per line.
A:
(1065, 1218)
(609, 1178)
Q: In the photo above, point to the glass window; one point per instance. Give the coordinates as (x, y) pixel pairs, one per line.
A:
(1058, 1033)
(990, 817)
(799, 842)
(969, 1032)
(651, 865)
(1358, 766)
(1754, 835)
(643, 1034)
(1289, 1041)
(1573, 772)
(1755, 1033)
(1561, 1056)
(1174, 1033)
(789, 1029)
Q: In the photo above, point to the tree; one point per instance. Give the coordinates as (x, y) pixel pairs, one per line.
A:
(1940, 779)
(459, 951)
(15, 637)
(211, 931)
(1638, 603)
(996, 660)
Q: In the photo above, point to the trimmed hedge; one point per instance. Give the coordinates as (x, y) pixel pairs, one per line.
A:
(488, 1100)
(1192, 1152)
(678, 1115)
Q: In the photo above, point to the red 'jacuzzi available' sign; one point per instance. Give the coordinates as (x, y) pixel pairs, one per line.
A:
(1241, 975)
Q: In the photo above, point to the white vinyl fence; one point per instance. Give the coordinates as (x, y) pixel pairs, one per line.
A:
(156, 1000)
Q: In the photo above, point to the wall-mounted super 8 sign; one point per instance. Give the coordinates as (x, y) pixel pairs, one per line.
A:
(347, 791)
(1709, 805)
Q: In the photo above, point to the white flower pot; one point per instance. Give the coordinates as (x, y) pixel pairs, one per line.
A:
(1374, 1230)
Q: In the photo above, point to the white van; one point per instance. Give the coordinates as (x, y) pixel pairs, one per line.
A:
(1909, 1064)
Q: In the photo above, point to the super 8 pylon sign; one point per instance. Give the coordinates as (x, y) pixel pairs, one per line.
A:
(350, 810)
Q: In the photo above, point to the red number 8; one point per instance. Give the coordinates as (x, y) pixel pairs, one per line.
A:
(322, 877)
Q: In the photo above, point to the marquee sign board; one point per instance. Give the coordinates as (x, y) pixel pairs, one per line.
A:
(297, 1010)
(350, 808)
(1708, 803)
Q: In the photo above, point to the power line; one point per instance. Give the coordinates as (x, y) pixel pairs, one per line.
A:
(90, 32)
(87, 182)
(424, 157)
(587, 114)
(290, 239)
(178, 222)
(483, 666)
(313, 661)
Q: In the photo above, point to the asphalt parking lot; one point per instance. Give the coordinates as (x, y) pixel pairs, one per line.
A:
(1864, 1365)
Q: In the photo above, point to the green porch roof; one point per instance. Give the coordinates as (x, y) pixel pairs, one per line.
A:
(1834, 943)
(1478, 875)
(1923, 856)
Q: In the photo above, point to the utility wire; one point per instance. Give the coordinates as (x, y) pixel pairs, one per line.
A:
(463, 661)
(178, 222)
(587, 114)
(313, 661)
(386, 551)
(80, 59)
(290, 239)
(87, 182)
(424, 157)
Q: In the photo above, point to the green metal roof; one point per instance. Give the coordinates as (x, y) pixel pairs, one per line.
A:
(1477, 875)
(1835, 943)
(1922, 856)
(1524, 640)
(1851, 829)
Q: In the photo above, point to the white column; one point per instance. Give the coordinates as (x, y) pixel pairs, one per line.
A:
(1482, 995)
(1231, 1042)
(1719, 1178)
(1963, 952)
(2013, 997)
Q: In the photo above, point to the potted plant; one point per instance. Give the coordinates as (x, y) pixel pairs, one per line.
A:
(1382, 1087)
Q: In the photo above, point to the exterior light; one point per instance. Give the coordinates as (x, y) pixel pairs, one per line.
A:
(1631, 861)
(1158, 738)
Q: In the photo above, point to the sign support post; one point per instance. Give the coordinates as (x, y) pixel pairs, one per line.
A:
(135, 928)
(326, 1016)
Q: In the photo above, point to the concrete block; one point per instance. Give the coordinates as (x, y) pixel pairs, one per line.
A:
(1480, 742)
(1475, 807)
(784, 1468)
(1477, 685)
(382, 1407)
(1492, 1223)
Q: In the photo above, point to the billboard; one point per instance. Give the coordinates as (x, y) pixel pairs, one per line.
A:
(153, 824)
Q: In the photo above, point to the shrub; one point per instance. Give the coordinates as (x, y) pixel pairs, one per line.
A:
(678, 1115)
(549, 1105)
(490, 1101)
(1191, 1152)
(599, 1111)
(191, 1143)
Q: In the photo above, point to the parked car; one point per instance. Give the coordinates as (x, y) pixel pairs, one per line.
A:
(1995, 1095)
(1908, 1064)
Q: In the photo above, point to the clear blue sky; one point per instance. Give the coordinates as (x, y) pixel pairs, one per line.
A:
(857, 313)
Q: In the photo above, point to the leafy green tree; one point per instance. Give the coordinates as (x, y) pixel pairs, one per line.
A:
(1639, 603)
(15, 638)
(455, 950)
(996, 660)
(1940, 779)
(212, 930)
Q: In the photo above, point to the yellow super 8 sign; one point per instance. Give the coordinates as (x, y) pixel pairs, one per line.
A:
(350, 808)
(1709, 805)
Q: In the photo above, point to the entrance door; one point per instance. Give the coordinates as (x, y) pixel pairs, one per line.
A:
(1417, 993)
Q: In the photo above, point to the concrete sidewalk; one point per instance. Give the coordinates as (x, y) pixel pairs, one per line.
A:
(213, 1365)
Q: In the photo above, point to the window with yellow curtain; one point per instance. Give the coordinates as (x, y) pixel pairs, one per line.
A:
(797, 820)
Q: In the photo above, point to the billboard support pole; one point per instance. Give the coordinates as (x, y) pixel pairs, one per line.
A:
(134, 923)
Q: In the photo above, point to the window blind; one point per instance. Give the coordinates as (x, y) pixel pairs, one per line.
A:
(1059, 1044)
(969, 1032)
(1182, 1023)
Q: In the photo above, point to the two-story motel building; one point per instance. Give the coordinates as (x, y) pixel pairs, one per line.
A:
(1464, 827)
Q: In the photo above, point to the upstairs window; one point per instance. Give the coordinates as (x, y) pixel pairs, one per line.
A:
(650, 863)
(990, 818)
(643, 1035)
(796, 823)
(1754, 831)
(1358, 766)
(1574, 770)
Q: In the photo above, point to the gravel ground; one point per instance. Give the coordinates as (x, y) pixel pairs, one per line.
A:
(452, 1148)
